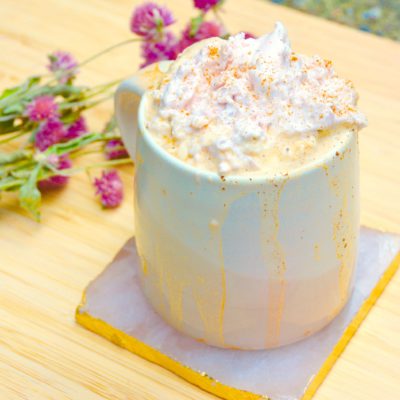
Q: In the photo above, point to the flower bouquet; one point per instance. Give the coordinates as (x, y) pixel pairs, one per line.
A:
(43, 122)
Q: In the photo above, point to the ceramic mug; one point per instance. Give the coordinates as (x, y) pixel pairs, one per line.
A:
(240, 262)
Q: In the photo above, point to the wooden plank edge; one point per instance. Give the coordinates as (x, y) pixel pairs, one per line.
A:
(352, 328)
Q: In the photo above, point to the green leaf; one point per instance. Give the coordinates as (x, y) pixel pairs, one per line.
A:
(8, 183)
(195, 25)
(68, 90)
(17, 108)
(9, 91)
(11, 94)
(15, 156)
(27, 84)
(30, 197)
(30, 82)
(74, 144)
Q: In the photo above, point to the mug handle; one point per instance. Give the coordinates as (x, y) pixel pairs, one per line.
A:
(127, 100)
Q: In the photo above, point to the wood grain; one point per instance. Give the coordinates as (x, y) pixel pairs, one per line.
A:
(44, 267)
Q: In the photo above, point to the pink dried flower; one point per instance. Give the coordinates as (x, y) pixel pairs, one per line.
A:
(205, 5)
(41, 108)
(63, 64)
(57, 181)
(49, 133)
(110, 189)
(206, 30)
(76, 129)
(248, 35)
(115, 149)
(149, 19)
(165, 49)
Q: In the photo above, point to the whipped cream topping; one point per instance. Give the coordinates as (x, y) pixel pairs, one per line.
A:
(226, 105)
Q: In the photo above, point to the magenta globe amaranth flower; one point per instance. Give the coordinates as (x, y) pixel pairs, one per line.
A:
(249, 35)
(109, 188)
(164, 49)
(57, 181)
(149, 19)
(41, 108)
(207, 29)
(205, 5)
(63, 65)
(76, 129)
(50, 132)
(115, 149)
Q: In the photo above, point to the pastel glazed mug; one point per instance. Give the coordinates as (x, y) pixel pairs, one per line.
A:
(240, 262)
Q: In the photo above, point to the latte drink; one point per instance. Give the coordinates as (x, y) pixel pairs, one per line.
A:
(251, 106)
(246, 189)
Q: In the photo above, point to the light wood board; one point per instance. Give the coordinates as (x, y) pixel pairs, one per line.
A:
(44, 267)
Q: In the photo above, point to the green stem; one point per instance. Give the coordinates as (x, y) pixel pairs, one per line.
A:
(85, 153)
(8, 117)
(98, 89)
(15, 156)
(12, 137)
(110, 163)
(32, 92)
(15, 183)
(11, 184)
(80, 142)
(84, 104)
(97, 55)
(219, 18)
(110, 84)
(107, 50)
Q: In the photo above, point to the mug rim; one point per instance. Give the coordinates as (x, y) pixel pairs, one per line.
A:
(237, 179)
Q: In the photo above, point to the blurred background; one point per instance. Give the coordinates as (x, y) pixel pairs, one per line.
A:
(381, 17)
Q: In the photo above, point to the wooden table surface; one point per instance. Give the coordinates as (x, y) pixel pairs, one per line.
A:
(44, 267)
